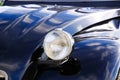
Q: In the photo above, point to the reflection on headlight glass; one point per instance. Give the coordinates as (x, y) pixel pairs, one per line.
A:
(57, 44)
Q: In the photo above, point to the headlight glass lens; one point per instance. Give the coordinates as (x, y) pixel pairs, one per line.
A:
(58, 44)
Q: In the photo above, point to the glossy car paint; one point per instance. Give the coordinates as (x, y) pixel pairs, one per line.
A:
(22, 30)
(81, 3)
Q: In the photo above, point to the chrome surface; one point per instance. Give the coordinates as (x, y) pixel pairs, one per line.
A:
(3, 75)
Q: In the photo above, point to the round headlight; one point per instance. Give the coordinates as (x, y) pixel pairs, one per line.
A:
(58, 44)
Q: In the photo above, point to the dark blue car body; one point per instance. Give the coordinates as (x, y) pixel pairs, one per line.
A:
(95, 54)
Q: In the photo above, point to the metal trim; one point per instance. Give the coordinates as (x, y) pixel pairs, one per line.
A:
(3, 74)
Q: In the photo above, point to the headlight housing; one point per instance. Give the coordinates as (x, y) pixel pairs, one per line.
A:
(58, 44)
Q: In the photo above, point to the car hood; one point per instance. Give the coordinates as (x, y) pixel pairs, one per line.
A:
(22, 30)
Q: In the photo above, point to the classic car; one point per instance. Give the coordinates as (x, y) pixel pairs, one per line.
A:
(60, 40)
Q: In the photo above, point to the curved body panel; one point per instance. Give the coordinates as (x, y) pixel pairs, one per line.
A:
(23, 28)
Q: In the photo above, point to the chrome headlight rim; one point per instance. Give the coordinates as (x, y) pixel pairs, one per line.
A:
(3, 75)
(69, 41)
